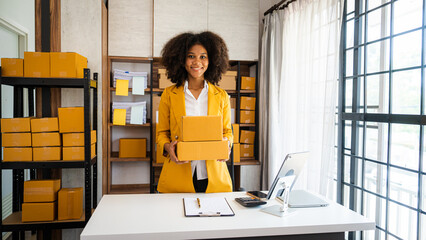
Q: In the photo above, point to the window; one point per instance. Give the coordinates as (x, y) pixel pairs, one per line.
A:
(381, 117)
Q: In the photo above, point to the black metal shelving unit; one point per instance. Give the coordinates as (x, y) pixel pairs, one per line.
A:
(13, 222)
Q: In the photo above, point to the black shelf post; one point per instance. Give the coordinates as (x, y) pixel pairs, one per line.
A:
(87, 146)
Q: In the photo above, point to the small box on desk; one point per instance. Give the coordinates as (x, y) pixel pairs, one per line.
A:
(132, 148)
(77, 139)
(12, 67)
(67, 65)
(70, 203)
(39, 212)
(44, 124)
(201, 128)
(37, 64)
(211, 150)
(21, 154)
(71, 119)
(16, 140)
(49, 139)
(13, 125)
(77, 153)
(46, 153)
(41, 190)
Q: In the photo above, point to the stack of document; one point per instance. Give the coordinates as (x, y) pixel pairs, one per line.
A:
(135, 113)
(131, 76)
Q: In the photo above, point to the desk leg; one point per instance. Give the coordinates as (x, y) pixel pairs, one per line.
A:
(322, 236)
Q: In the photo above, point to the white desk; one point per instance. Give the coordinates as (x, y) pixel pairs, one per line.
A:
(161, 216)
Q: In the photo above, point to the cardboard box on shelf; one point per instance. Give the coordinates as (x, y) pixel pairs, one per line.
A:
(67, 65)
(46, 153)
(162, 70)
(164, 82)
(248, 103)
(236, 153)
(211, 150)
(13, 125)
(76, 153)
(201, 128)
(247, 116)
(246, 150)
(77, 139)
(70, 203)
(44, 124)
(236, 132)
(71, 119)
(247, 136)
(37, 64)
(228, 82)
(132, 148)
(16, 140)
(233, 102)
(248, 83)
(12, 67)
(231, 73)
(21, 154)
(39, 212)
(49, 139)
(41, 190)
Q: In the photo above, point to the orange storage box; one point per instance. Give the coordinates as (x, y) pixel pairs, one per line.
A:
(21, 154)
(71, 119)
(16, 140)
(70, 203)
(236, 132)
(248, 83)
(44, 124)
(12, 67)
(132, 148)
(67, 65)
(211, 150)
(76, 153)
(39, 212)
(13, 125)
(41, 190)
(201, 128)
(248, 103)
(246, 150)
(247, 136)
(37, 64)
(77, 139)
(50, 139)
(236, 153)
(247, 116)
(46, 153)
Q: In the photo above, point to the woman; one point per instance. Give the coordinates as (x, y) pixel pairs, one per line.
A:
(195, 63)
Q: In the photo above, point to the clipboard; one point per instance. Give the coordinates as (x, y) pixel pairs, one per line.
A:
(209, 207)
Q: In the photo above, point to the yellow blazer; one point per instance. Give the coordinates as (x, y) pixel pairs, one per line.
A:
(177, 178)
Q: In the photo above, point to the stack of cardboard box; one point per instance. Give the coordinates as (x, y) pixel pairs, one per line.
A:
(46, 140)
(45, 65)
(16, 139)
(71, 125)
(247, 112)
(40, 200)
(164, 82)
(247, 143)
(201, 139)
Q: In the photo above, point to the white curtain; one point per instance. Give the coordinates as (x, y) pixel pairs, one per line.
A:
(298, 90)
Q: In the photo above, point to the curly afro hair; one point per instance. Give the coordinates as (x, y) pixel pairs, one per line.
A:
(175, 51)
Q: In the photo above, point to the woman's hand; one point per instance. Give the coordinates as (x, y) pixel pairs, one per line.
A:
(171, 149)
(229, 150)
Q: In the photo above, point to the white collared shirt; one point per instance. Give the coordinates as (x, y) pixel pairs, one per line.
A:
(197, 107)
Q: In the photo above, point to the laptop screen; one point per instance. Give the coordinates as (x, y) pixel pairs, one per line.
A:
(288, 173)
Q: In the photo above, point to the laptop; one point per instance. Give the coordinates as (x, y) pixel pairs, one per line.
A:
(288, 174)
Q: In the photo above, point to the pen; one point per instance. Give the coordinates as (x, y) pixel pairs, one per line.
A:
(198, 201)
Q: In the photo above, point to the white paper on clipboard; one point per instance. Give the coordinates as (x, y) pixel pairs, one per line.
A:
(209, 207)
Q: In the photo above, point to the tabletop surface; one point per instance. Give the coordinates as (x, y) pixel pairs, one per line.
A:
(161, 216)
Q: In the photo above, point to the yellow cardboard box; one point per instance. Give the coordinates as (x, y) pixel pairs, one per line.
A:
(14, 125)
(236, 132)
(246, 150)
(41, 190)
(71, 119)
(211, 150)
(16, 140)
(248, 103)
(247, 116)
(70, 203)
(247, 136)
(236, 152)
(37, 64)
(228, 82)
(46, 153)
(77, 139)
(201, 128)
(44, 124)
(39, 212)
(132, 148)
(67, 65)
(49, 139)
(12, 67)
(248, 83)
(76, 153)
(21, 154)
